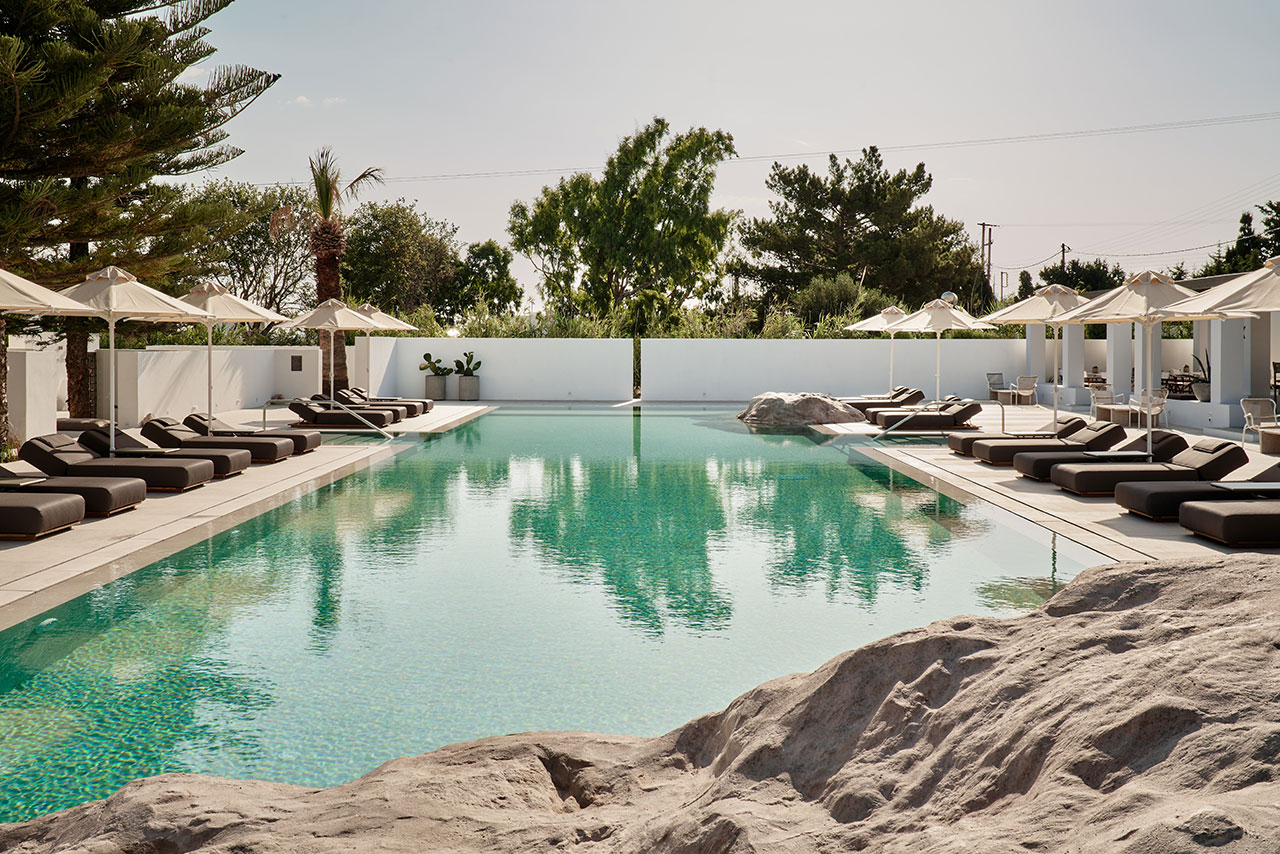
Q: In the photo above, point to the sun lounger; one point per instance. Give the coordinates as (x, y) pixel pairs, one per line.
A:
(949, 416)
(900, 396)
(962, 443)
(103, 496)
(318, 416)
(26, 516)
(62, 456)
(400, 412)
(168, 433)
(76, 426)
(303, 440)
(1208, 459)
(1039, 464)
(1096, 436)
(1161, 500)
(1234, 523)
(358, 397)
(226, 461)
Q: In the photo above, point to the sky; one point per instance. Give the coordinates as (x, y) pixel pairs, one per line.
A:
(425, 89)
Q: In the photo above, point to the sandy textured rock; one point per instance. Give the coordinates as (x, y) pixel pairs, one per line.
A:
(794, 409)
(1137, 712)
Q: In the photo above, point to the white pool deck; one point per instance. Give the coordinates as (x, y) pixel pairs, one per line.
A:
(36, 576)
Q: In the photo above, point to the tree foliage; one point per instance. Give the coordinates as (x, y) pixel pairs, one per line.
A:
(643, 234)
(1026, 288)
(859, 216)
(839, 296)
(1081, 276)
(484, 279)
(1251, 248)
(399, 259)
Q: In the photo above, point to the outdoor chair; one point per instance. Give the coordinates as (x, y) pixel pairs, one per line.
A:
(303, 440)
(1097, 436)
(1100, 395)
(1162, 500)
(62, 456)
(1023, 391)
(1148, 407)
(995, 383)
(103, 496)
(1208, 459)
(962, 443)
(227, 462)
(168, 433)
(1259, 413)
(1038, 465)
(26, 517)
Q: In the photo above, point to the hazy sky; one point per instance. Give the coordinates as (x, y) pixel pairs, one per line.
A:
(433, 88)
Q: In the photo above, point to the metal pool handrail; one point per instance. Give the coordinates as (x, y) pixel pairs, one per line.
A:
(338, 403)
(936, 405)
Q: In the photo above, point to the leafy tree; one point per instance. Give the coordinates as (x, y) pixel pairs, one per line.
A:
(328, 242)
(268, 261)
(841, 295)
(485, 279)
(643, 235)
(1269, 239)
(1095, 275)
(1245, 255)
(399, 259)
(1026, 288)
(859, 215)
(1178, 272)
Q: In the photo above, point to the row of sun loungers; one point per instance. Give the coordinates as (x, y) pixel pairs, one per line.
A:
(81, 477)
(358, 410)
(1177, 481)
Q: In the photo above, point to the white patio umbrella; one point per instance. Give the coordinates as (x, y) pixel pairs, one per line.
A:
(224, 307)
(388, 322)
(937, 317)
(1044, 306)
(333, 316)
(1246, 295)
(118, 295)
(1139, 300)
(880, 323)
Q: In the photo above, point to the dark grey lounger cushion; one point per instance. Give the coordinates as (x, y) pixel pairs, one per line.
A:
(1098, 436)
(226, 461)
(354, 399)
(303, 440)
(950, 415)
(313, 414)
(400, 412)
(1039, 464)
(102, 495)
(30, 515)
(57, 454)
(962, 443)
(905, 397)
(426, 402)
(1236, 523)
(1208, 459)
(168, 433)
(1162, 500)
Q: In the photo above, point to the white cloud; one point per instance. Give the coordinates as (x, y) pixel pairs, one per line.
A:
(193, 74)
(301, 100)
(329, 102)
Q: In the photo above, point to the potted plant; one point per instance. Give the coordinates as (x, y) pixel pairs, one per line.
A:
(435, 380)
(468, 382)
(1200, 388)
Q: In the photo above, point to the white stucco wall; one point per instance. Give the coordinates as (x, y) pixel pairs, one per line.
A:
(32, 391)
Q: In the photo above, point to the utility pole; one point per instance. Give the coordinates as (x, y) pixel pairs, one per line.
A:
(988, 235)
(1065, 250)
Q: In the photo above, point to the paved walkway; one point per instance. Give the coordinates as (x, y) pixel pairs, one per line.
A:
(35, 576)
(1096, 523)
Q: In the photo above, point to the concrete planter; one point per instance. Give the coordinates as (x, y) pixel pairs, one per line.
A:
(468, 388)
(435, 387)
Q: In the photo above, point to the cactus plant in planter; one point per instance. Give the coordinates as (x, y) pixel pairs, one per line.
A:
(435, 379)
(468, 382)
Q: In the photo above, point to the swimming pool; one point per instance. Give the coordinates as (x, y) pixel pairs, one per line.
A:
(604, 570)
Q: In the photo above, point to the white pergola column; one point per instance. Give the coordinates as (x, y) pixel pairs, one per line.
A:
(1199, 340)
(1260, 355)
(1229, 361)
(1072, 356)
(1119, 357)
(1140, 356)
(1035, 352)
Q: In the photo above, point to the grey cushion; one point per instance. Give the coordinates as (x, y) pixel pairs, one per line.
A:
(1208, 459)
(1039, 464)
(1236, 523)
(226, 461)
(1098, 436)
(102, 495)
(168, 433)
(303, 440)
(57, 454)
(962, 443)
(33, 515)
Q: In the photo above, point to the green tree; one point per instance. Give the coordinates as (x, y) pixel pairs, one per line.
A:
(328, 242)
(1269, 239)
(641, 235)
(859, 215)
(1095, 275)
(399, 259)
(1244, 255)
(1026, 288)
(485, 279)
(841, 295)
(95, 110)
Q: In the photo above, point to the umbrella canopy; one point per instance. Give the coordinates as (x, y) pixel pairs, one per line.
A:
(224, 307)
(19, 296)
(334, 316)
(118, 295)
(1044, 306)
(880, 322)
(937, 317)
(387, 321)
(1245, 295)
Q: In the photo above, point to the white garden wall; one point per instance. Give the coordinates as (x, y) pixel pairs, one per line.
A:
(736, 370)
(513, 369)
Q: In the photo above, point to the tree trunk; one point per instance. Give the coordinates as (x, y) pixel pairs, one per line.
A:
(7, 435)
(328, 286)
(79, 397)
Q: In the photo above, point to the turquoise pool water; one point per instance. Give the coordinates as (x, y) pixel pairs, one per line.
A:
(590, 570)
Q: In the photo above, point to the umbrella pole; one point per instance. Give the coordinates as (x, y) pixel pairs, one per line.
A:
(331, 337)
(208, 328)
(890, 361)
(111, 394)
(1147, 390)
(937, 369)
(1054, 378)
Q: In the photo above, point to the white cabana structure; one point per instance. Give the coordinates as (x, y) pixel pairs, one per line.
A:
(881, 322)
(938, 316)
(117, 295)
(1044, 306)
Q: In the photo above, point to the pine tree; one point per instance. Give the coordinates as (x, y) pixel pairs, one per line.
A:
(96, 110)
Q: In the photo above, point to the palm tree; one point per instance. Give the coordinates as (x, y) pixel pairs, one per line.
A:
(328, 241)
